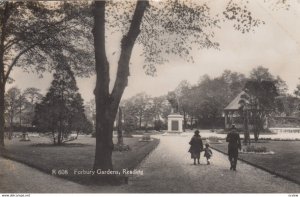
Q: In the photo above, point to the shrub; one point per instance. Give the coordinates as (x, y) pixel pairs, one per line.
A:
(214, 138)
(286, 139)
(256, 149)
(121, 147)
(264, 138)
(159, 125)
(146, 138)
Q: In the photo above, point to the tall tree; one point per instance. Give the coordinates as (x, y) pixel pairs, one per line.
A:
(234, 82)
(33, 97)
(90, 111)
(140, 106)
(157, 28)
(261, 73)
(130, 115)
(149, 113)
(32, 33)
(120, 127)
(61, 110)
(183, 100)
(297, 91)
(207, 99)
(11, 98)
(258, 101)
(162, 109)
(140, 102)
(22, 104)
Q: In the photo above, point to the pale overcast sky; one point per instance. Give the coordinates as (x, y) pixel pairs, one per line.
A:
(275, 45)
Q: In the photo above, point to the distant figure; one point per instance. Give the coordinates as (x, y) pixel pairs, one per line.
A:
(207, 153)
(234, 144)
(196, 147)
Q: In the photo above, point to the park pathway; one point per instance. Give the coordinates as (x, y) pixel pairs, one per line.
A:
(169, 169)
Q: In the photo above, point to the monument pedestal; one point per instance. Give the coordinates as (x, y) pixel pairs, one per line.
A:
(175, 123)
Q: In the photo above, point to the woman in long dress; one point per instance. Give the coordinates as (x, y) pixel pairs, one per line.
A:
(196, 147)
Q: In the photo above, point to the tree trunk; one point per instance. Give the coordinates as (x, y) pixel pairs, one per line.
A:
(3, 23)
(140, 122)
(184, 121)
(256, 135)
(59, 134)
(104, 142)
(246, 127)
(20, 118)
(107, 104)
(11, 121)
(120, 135)
(2, 110)
(59, 138)
(104, 121)
(53, 136)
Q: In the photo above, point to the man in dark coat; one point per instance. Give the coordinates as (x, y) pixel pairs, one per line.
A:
(196, 147)
(234, 144)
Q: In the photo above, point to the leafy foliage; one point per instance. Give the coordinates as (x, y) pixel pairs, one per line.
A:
(174, 28)
(61, 110)
(258, 101)
(143, 111)
(12, 104)
(35, 35)
(34, 32)
(20, 105)
(242, 17)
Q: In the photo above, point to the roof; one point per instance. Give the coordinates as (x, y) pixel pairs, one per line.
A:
(234, 104)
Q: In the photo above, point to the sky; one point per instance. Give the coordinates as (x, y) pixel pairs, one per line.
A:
(275, 45)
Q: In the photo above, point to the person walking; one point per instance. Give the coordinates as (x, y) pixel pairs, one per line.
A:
(207, 153)
(234, 143)
(196, 147)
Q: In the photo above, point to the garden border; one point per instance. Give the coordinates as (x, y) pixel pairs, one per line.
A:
(262, 168)
(5, 154)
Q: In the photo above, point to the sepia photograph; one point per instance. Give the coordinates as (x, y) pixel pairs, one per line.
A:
(150, 96)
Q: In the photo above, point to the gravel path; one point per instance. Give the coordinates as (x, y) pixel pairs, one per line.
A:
(167, 169)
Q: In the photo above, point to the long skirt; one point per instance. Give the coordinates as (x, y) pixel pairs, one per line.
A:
(195, 155)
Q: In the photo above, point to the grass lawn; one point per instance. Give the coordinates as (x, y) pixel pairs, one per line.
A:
(79, 154)
(285, 161)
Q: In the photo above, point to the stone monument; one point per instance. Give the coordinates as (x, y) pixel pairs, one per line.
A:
(174, 119)
(175, 123)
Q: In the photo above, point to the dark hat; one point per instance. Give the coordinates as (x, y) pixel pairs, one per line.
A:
(197, 132)
(207, 144)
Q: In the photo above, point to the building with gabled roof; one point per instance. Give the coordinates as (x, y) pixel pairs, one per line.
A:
(232, 113)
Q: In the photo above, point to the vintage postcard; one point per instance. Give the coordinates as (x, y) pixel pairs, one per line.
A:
(150, 96)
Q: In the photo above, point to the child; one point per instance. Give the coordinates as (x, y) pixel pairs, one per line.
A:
(207, 153)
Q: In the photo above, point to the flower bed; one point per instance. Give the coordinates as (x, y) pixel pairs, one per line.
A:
(214, 140)
(256, 150)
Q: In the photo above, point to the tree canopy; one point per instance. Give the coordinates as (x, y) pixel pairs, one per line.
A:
(61, 110)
